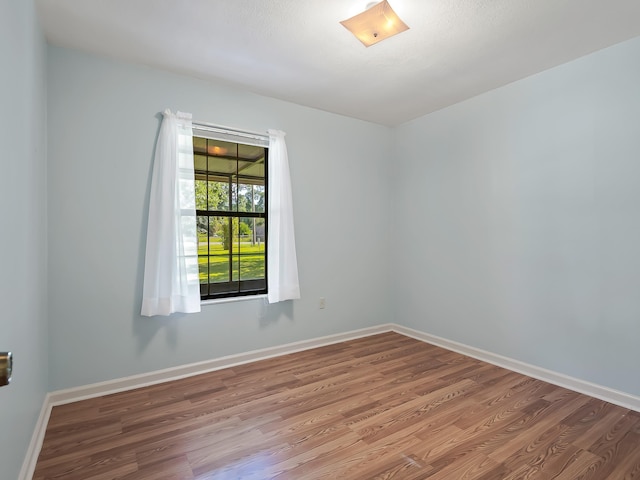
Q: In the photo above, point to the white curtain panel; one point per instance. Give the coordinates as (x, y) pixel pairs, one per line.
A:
(171, 282)
(282, 263)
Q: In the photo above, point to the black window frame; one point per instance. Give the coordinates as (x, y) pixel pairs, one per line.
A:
(233, 287)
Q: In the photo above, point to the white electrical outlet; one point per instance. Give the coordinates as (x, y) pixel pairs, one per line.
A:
(322, 303)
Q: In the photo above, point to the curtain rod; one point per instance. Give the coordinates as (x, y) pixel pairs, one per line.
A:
(222, 129)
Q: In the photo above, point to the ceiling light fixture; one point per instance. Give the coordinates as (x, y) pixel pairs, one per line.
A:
(375, 24)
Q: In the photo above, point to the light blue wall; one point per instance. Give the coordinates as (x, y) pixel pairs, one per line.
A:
(522, 213)
(23, 259)
(103, 121)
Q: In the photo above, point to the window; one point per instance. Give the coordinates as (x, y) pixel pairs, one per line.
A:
(217, 245)
(231, 205)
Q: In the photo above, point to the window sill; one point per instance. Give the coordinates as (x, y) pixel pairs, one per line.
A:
(232, 299)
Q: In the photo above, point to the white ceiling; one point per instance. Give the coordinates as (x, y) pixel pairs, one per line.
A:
(296, 50)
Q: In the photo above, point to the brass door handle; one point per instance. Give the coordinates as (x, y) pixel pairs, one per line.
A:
(6, 365)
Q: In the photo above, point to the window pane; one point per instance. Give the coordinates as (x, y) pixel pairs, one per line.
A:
(219, 233)
(258, 198)
(202, 224)
(236, 268)
(250, 153)
(259, 232)
(245, 229)
(222, 157)
(199, 162)
(235, 247)
(234, 195)
(245, 198)
(199, 145)
(252, 265)
(218, 268)
(201, 192)
(221, 149)
(218, 195)
(252, 249)
(204, 231)
(251, 160)
(219, 250)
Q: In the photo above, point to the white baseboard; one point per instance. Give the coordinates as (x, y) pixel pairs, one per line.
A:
(610, 395)
(31, 458)
(84, 392)
(93, 390)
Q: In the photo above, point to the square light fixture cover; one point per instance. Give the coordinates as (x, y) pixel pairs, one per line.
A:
(375, 24)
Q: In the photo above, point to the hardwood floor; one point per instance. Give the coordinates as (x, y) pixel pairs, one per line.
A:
(385, 406)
